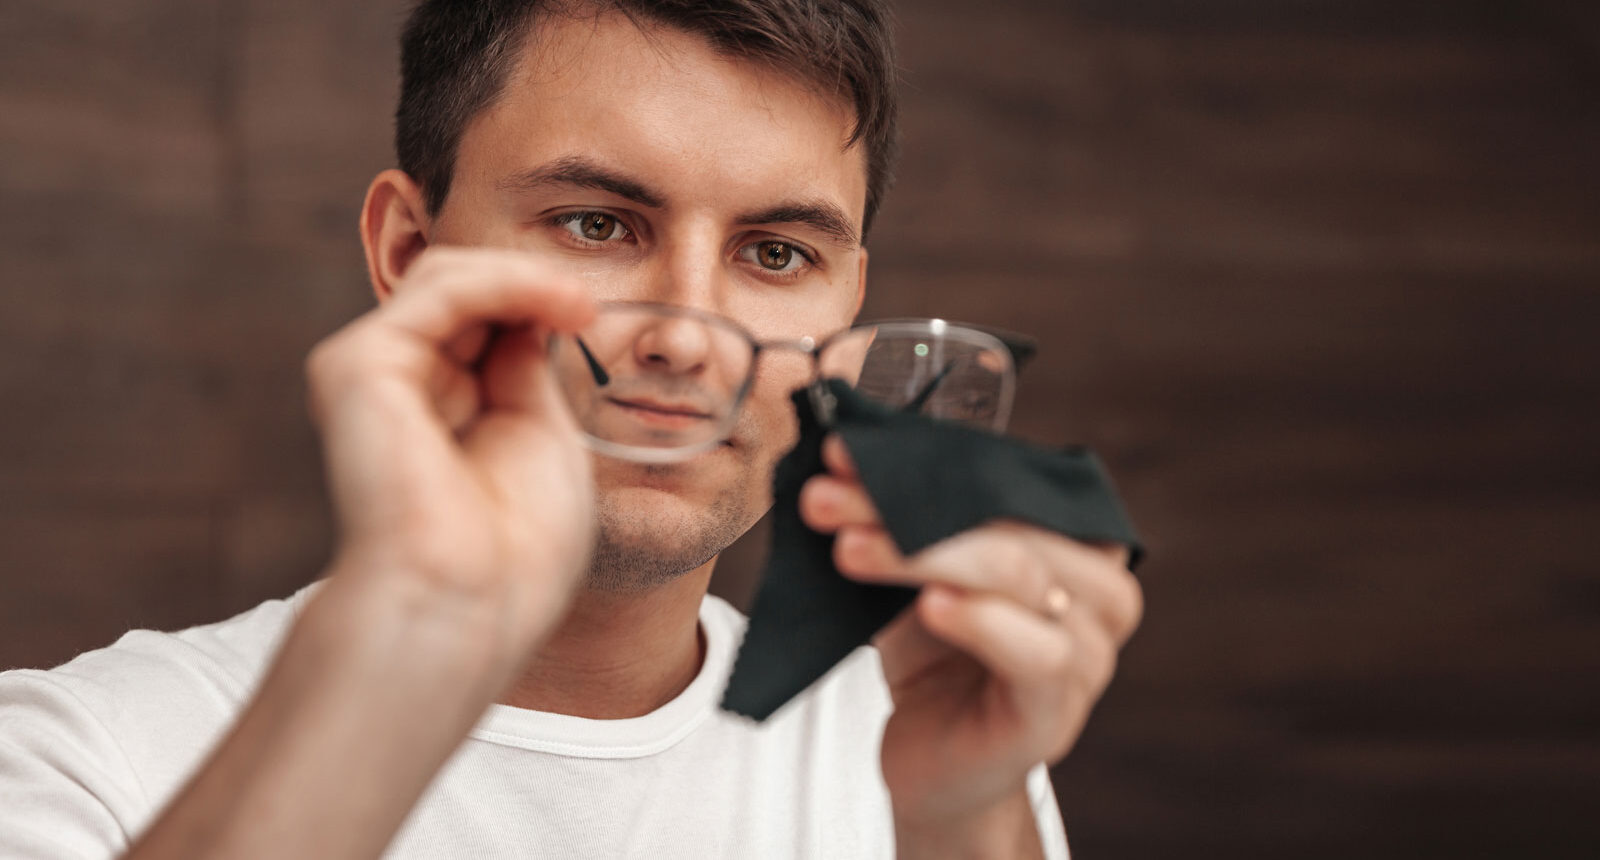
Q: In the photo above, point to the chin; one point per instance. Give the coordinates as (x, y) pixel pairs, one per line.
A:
(706, 471)
(667, 502)
(652, 534)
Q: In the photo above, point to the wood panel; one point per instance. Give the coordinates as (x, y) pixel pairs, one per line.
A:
(1318, 279)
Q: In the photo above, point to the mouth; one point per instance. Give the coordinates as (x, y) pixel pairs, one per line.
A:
(661, 414)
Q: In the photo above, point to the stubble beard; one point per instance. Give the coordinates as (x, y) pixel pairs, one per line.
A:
(634, 551)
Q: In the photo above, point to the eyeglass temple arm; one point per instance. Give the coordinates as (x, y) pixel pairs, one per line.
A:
(917, 402)
(1021, 347)
(601, 377)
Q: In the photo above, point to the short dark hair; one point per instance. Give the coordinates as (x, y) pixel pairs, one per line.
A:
(455, 56)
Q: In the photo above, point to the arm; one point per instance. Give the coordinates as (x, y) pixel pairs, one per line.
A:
(1006, 829)
(374, 688)
(449, 572)
(1027, 824)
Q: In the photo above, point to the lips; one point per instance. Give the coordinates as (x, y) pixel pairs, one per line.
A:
(661, 414)
(681, 410)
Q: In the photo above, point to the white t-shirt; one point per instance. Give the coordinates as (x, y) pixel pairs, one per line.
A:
(91, 751)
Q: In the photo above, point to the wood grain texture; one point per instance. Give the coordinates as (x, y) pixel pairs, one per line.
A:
(1319, 280)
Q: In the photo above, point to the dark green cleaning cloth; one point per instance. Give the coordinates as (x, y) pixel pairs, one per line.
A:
(930, 479)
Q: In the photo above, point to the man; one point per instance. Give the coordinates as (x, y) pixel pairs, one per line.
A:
(513, 653)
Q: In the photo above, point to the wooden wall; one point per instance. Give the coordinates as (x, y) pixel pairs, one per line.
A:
(1321, 282)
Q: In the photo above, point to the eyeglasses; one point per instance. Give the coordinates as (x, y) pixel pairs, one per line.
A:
(656, 383)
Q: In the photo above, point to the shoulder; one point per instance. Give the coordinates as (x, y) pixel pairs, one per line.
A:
(89, 749)
(154, 695)
(226, 658)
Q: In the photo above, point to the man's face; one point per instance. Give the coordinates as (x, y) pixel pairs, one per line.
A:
(660, 171)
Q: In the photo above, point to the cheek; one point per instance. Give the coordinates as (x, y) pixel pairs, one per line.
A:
(767, 423)
(781, 428)
(614, 278)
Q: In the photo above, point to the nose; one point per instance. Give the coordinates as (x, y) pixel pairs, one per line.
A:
(688, 267)
(670, 345)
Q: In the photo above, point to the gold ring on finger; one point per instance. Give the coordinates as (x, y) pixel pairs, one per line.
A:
(1057, 601)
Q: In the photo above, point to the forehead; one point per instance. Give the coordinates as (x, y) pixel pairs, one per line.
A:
(709, 130)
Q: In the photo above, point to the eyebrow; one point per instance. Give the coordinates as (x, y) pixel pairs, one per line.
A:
(575, 171)
(579, 172)
(821, 216)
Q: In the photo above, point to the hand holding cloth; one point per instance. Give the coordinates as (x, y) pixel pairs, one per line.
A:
(930, 479)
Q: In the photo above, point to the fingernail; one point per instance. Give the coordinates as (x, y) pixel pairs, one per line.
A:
(815, 500)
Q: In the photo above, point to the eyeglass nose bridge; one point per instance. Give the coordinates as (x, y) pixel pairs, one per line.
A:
(823, 403)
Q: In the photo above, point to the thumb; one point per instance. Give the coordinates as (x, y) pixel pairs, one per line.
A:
(527, 434)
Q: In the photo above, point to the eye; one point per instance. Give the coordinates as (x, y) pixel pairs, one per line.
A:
(593, 226)
(775, 256)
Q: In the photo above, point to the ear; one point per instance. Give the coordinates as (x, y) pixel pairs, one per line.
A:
(394, 229)
(861, 285)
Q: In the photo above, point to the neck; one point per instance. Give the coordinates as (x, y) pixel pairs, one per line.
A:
(618, 654)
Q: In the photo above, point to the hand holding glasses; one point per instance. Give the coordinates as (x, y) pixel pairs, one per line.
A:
(657, 383)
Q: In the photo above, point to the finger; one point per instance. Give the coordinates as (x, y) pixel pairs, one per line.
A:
(1085, 551)
(837, 457)
(991, 559)
(468, 347)
(456, 395)
(514, 376)
(1021, 562)
(348, 362)
(828, 503)
(1010, 640)
(869, 554)
(1119, 554)
(1094, 658)
(1098, 581)
(525, 424)
(484, 289)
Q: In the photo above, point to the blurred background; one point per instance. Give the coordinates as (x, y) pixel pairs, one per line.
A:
(1320, 280)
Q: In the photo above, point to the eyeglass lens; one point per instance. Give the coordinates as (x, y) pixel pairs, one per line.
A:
(639, 377)
(929, 367)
